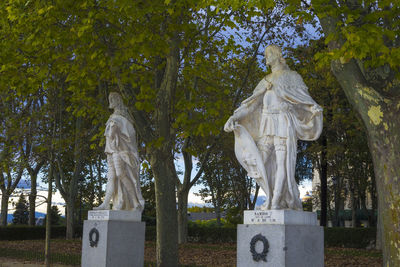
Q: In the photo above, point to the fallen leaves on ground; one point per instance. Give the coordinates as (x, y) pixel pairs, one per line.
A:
(195, 254)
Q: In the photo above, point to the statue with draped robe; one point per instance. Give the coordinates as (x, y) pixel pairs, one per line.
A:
(267, 126)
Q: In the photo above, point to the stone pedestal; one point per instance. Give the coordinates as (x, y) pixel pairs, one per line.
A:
(280, 238)
(113, 238)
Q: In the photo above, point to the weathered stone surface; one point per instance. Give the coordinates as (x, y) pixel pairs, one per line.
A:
(288, 245)
(119, 243)
(115, 215)
(287, 217)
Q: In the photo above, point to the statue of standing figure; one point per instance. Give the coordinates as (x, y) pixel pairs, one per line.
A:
(267, 126)
(123, 184)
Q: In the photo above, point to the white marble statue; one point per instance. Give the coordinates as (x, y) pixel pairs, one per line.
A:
(267, 126)
(123, 185)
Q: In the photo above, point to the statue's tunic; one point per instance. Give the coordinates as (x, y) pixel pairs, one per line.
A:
(273, 121)
(123, 161)
(283, 111)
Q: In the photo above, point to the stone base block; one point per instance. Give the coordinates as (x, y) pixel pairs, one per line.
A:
(113, 243)
(280, 245)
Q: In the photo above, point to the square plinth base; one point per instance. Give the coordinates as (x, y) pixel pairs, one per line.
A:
(280, 245)
(113, 243)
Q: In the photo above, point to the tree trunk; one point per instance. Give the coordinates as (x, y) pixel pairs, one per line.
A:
(4, 208)
(48, 219)
(70, 192)
(335, 220)
(70, 219)
(215, 199)
(33, 173)
(380, 116)
(182, 216)
(99, 178)
(353, 208)
(374, 200)
(218, 214)
(167, 230)
(379, 109)
(378, 241)
(387, 170)
(324, 183)
(32, 200)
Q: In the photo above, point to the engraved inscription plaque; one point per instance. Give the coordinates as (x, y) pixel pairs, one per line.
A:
(99, 215)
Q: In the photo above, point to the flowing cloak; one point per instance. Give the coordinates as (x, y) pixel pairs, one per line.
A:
(302, 124)
(121, 145)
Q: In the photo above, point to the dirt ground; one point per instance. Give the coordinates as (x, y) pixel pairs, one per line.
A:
(193, 254)
(6, 262)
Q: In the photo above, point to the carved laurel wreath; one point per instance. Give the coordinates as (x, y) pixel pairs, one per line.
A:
(95, 232)
(259, 256)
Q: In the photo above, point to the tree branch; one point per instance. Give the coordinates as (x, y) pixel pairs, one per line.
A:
(58, 178)
(203, 163)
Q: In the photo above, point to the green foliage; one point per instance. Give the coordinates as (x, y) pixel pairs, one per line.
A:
(55, 216)
(178, 64)
(365, 30)
(234, 215)
(200, 209)
(21, 213)
(209, 223)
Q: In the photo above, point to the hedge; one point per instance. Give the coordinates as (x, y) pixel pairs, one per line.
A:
(24, 232)
(334, 237)
(349, 237)
(209, 234)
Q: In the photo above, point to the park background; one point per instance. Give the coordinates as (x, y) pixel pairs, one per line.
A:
(182, 68)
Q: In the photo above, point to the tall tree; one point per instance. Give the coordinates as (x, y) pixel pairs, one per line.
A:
(33, 148)
(363, 39)
(14, 111)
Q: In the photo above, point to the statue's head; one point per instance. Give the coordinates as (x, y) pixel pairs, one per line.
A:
(273, 55)
(115, 100)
